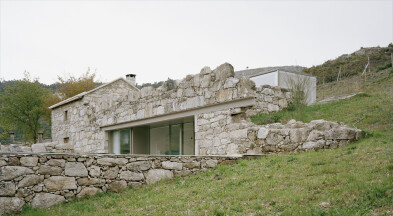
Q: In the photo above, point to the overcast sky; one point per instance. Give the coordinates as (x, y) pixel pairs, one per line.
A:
(160, 39)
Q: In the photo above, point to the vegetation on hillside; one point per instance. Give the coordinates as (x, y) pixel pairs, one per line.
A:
(353, 64)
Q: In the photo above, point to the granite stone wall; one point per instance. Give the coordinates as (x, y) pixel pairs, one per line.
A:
(118, 103)
(48, 179)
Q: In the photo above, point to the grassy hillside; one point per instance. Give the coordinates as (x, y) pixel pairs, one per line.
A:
(353, 64)
(353, 180)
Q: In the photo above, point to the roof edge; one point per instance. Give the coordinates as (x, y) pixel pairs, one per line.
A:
(81, 95)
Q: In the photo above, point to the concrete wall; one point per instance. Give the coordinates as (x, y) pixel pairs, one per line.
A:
(285, 78)
(48, 179)
(266, 79)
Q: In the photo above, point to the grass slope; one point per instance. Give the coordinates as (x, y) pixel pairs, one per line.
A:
(353, 180)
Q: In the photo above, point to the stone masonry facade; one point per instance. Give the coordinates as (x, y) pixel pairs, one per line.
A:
(117, 103)
(47, 179)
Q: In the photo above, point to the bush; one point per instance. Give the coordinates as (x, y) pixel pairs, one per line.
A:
(384, 67)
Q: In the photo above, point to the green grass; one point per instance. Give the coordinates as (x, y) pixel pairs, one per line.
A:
(367, 112)
(353, 180)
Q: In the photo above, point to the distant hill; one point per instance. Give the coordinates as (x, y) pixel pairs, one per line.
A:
(353, 64)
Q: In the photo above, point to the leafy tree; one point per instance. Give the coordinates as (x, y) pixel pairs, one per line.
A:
(71, 85)
(22, 107)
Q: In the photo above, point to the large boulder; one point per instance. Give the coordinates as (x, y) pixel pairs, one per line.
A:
(75, 169)
(59, 183)
(11, 172)
(46, 200)
(155, 175)
(30, 180)
(10, 205)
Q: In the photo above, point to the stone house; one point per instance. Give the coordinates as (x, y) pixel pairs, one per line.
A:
(203, 114)
(119, 118)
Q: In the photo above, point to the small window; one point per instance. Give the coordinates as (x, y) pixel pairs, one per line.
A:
(66, 139)
(65, 115)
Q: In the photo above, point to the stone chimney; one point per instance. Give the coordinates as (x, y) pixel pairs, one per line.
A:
(131, 79)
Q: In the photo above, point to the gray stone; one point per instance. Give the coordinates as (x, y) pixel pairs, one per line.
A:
(11, 172)
(231, 83)
(172, 165)
(7, 189)
(30, 180)
(131, 176)
(3, 163)
(88, 191)
(224, 71)
(59, 183)
(29, 161)
(192, 165)
(94, 171)
(39, 147)
(75, 169)
(139, 165)
(111, 173)
(117, 186)
(155, 175)
(211, 163)
(262, 133)
(57, 162)
(49, 170)
(239, 134)
(11, 205)
(46, 200)
(90, 181)
(112, 161)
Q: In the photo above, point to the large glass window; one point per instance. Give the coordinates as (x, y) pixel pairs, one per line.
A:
(165, 138)
(121, 141)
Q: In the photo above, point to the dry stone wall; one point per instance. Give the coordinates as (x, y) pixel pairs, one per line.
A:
(227, 132)
(48, 179)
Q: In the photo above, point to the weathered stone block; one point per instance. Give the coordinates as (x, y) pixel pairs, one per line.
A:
(117, 186)
(59, 183)
(192, 165)
(111, 173)
(172, 165)
(11, 172)
(29, 161)
(90, 181)
(112, 161)
(131, 176)
(139, 165)
(211, 163)
(46, 200)
(10, 205)
(39, 147)
(50, 170)
(88, 191)
(95, 171)
(30, 180)
(156, 175)
(75, 169)
(57, 162)
(7, 189)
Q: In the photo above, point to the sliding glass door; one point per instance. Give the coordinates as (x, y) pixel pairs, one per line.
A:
(162, 139)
